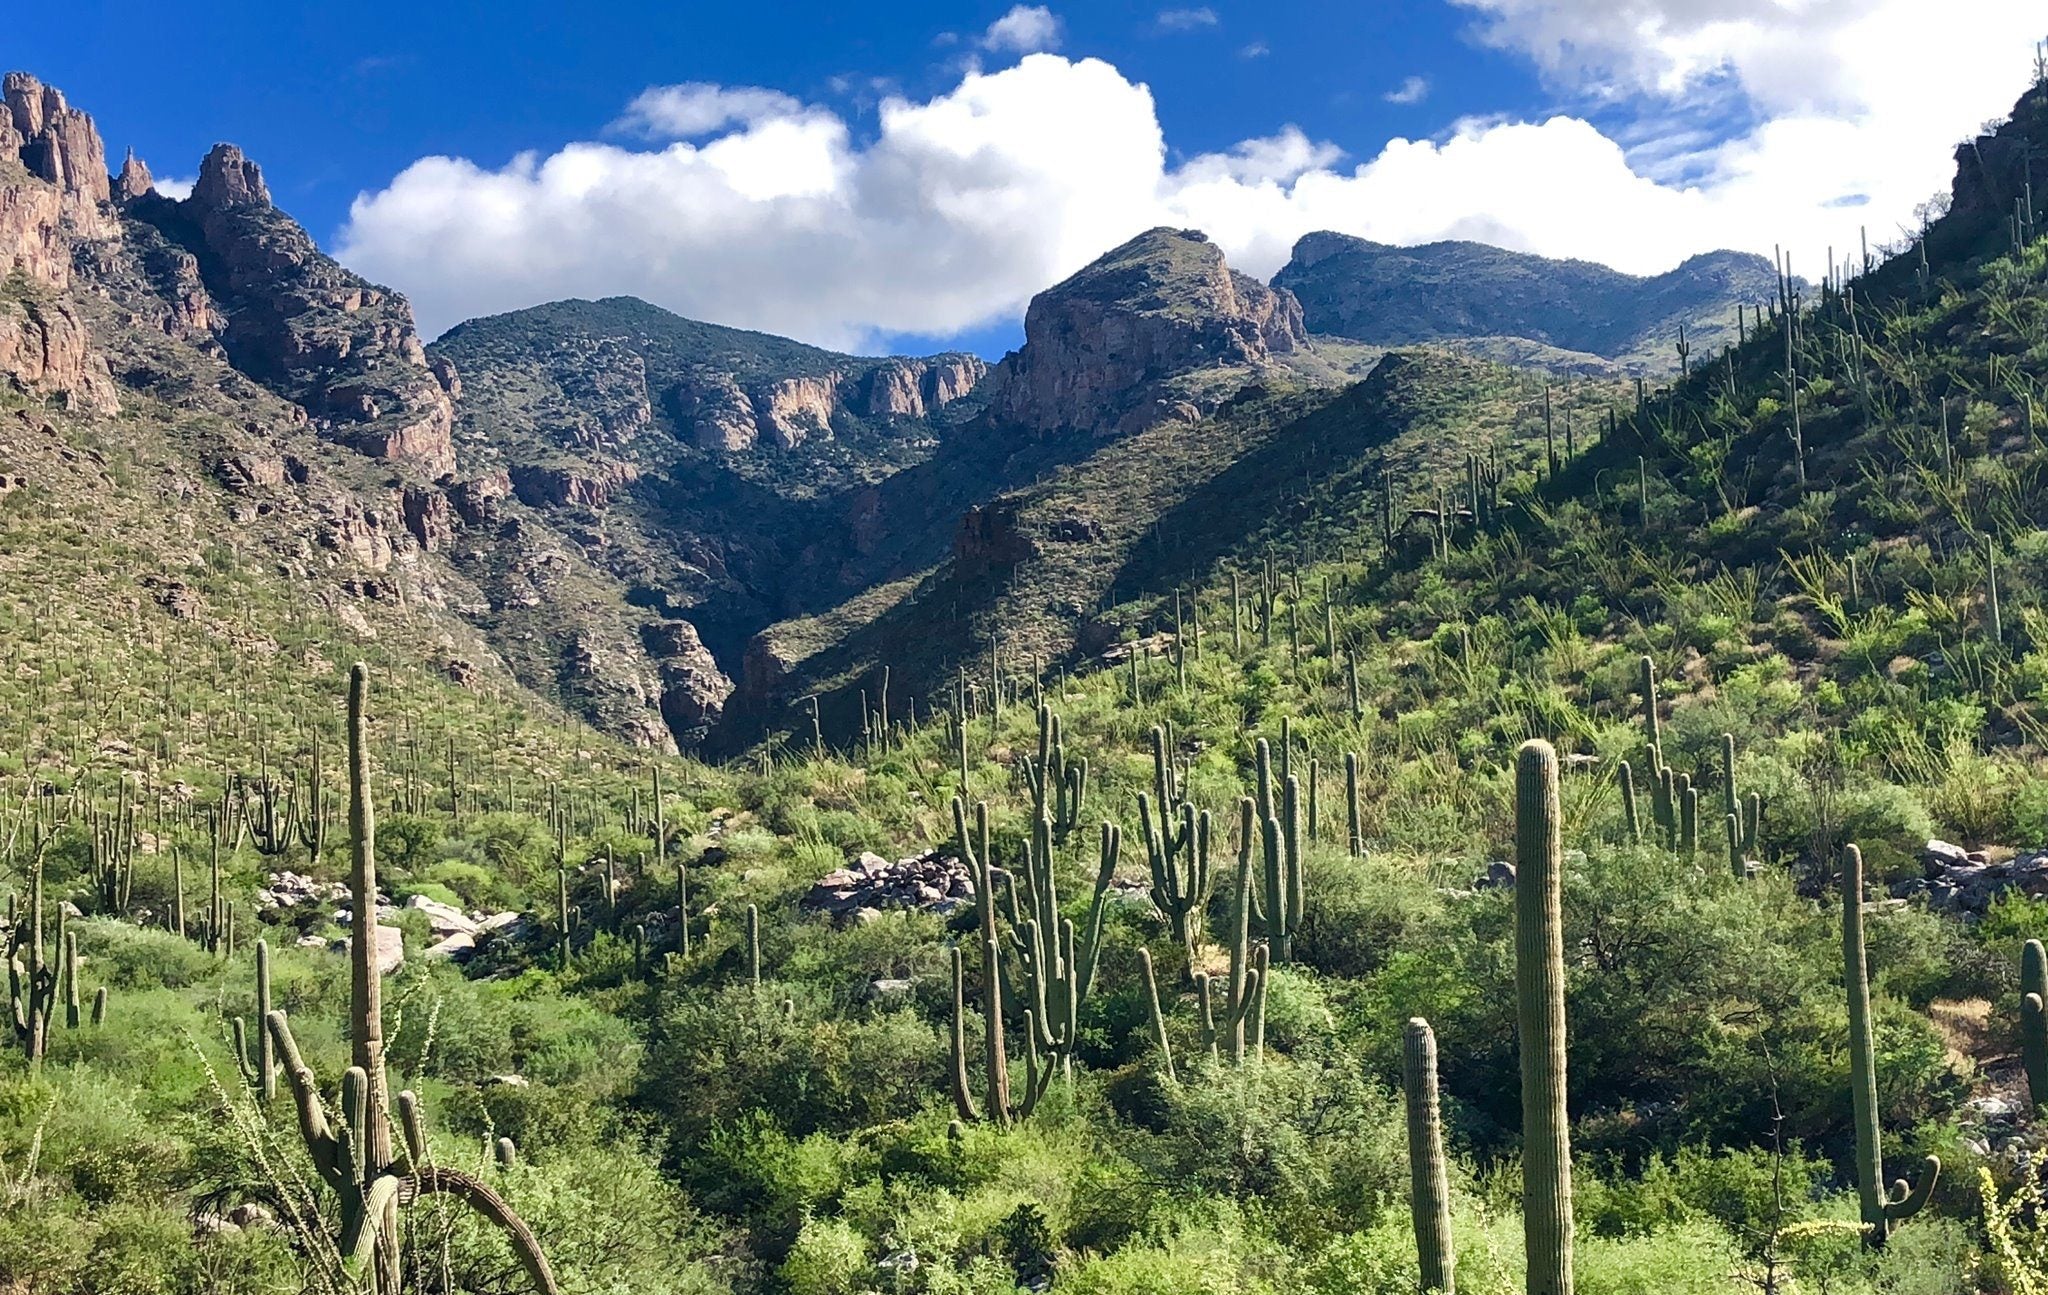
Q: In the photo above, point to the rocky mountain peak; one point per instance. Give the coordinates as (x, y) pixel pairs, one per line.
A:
(227, 178)
(1138, 336)
(135, 181)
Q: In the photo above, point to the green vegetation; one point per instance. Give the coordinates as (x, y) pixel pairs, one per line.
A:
(1297, 1050)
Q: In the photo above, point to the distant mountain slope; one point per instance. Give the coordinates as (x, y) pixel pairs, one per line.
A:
(1394, 296)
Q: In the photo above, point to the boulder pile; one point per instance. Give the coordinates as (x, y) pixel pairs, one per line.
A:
(864, 889)
(1965, 882)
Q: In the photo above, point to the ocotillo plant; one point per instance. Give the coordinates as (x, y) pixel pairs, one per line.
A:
(2034, 1021)
(1539, 1005)
(1177, 850)
(357, 1159)
(1428, 1180)
(1880, 1209)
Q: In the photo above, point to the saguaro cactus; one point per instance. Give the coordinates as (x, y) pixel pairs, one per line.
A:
(357, 1160)
(995, 1061)
(1058, 785)
(1630, 816)
(1539, 1003)
(1244, 991)
(2034, 1020)
(1880, 1209)
(1158, 1016)
(31, 978)
(1177, 851)
(259, 1070)
(1429, 1181)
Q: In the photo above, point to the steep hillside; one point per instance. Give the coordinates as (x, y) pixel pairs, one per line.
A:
(1393, 296)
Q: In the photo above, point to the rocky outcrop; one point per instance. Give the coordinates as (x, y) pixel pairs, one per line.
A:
(58, 145)
(578, 486)
(715, 413)
(295, 320)
(1099, 347)
(228, 178)
(32, 238)
(135, 181)
(892, 389)
(427, 514)
(45, 348)
(948, 378)
(693, 689)
(990, 535)
(794, 410)
(476, 500)
(862, 890)
(1967, 882)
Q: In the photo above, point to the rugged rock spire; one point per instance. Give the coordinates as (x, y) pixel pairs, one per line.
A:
(229, 179)
(135, 181)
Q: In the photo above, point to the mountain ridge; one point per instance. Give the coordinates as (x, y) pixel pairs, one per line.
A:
(1403, 295)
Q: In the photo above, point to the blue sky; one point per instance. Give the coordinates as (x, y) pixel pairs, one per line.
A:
(1022, 140)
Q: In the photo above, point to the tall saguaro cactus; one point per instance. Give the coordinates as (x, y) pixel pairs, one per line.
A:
(1880, 1209)
(1539, 1005)
(1429, 1181)
(357, 1159)
(31, 977)
(1177, 850)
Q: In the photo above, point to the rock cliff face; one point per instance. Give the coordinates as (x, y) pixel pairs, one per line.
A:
(46, 348)
(1103, 349)
(58, 145)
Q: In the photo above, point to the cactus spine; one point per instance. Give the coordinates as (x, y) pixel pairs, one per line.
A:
(1539, 995)
(1429, 1181)
(1880, 1209)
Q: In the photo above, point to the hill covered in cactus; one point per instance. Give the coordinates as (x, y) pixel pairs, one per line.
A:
(1458, 829)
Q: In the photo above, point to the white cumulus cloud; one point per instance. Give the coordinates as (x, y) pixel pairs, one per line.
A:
(1026, 29)
(952, 211)
(697, 108)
